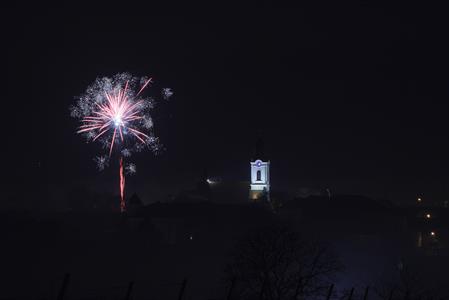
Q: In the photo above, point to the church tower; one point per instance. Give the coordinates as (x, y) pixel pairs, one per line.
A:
(260, 174)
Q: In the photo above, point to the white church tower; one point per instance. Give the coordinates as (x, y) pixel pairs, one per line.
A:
(260, 175)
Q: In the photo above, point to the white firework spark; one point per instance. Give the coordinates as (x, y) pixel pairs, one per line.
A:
(90, 136)
(167, 93)
(147, 122)
(114, 113)
(126, 152)
(130, 169)
(102, 162)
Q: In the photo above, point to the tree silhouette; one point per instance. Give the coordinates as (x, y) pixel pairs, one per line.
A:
(276, 263)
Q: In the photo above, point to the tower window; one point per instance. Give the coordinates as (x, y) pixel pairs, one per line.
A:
(258, 176)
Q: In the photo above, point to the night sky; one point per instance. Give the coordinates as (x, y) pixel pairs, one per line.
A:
(352, 96)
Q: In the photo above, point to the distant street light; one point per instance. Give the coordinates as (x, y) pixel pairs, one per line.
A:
(419, 200)
(432, 233)
(428, 216)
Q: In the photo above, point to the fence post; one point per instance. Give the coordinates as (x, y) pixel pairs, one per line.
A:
(64, 285)
(262, 289)
(391, 294)
(366, 293)
(329, 293)
(350, 294)
(129, 290)
(183, 287)
(407, 295)
(230, 289)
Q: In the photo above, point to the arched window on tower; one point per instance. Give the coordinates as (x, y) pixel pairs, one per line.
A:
(258, 176)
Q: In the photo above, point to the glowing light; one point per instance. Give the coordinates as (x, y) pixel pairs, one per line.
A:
(428, 216)
(419, 200)
(209, 181)
(432, 233)
(118, 121)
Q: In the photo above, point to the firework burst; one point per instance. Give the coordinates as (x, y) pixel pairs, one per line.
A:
(114, 113)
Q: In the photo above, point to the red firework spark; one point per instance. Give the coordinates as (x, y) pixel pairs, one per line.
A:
(115, 115)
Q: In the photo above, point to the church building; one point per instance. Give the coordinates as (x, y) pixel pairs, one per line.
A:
(260, 174)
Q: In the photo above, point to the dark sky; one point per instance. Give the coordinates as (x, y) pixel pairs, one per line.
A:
(348, 96)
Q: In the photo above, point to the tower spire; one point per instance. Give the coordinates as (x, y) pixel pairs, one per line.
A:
(259, 150)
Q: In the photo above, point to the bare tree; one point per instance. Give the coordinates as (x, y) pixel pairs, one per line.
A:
(276, 263)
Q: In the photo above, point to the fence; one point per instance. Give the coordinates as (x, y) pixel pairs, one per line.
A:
(178, 292)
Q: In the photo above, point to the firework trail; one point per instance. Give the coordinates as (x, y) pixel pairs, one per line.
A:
(122, 187)
(112, 113)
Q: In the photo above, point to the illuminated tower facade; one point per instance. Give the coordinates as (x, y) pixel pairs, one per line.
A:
(260, 175)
